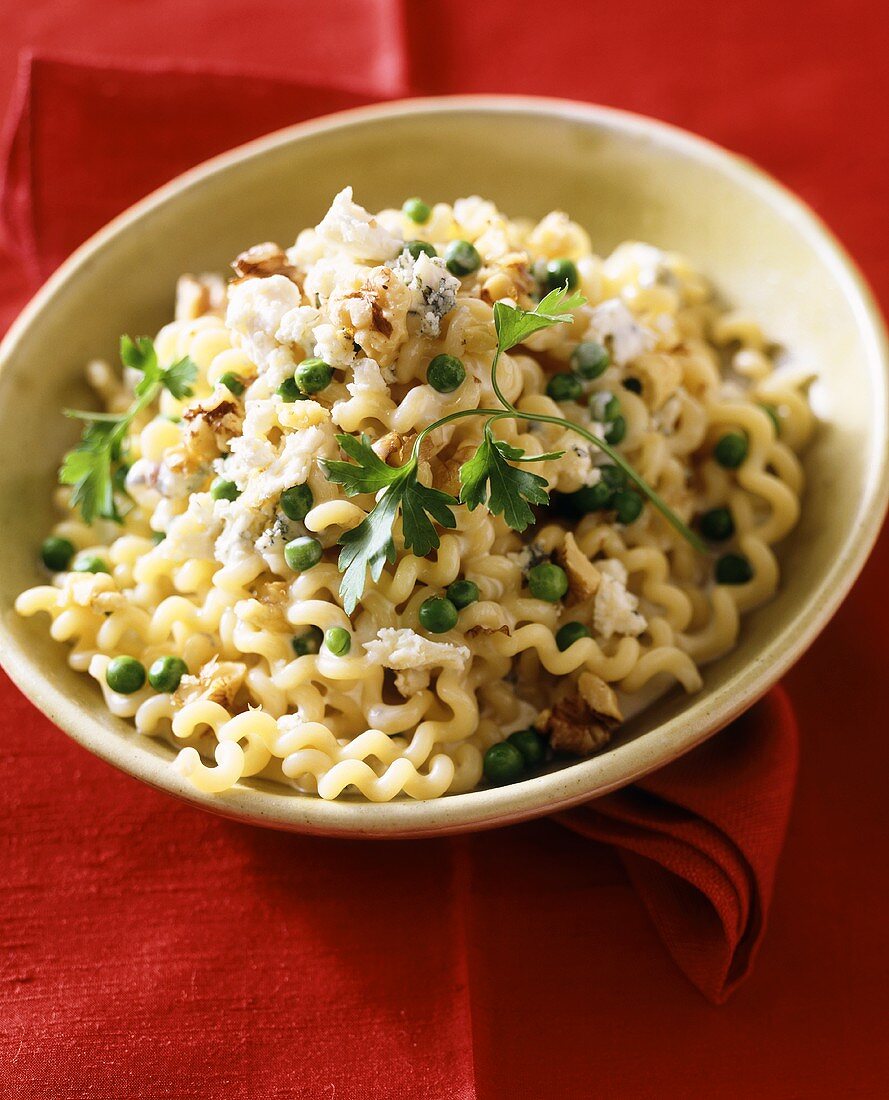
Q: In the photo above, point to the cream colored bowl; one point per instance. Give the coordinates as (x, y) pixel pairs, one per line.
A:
(621, 176)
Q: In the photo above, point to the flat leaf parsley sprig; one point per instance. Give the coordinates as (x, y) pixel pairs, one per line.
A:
(488, 478)
(91, 465)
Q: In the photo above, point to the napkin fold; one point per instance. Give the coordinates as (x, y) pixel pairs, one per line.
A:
(700, 839)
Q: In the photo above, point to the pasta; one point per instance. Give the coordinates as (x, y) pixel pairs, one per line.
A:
(276, 677)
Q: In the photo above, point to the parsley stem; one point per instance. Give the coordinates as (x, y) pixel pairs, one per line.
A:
(509, 411)
(640, 482)
(415, 451)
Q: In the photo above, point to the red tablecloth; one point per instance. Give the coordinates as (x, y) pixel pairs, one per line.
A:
(520, 963)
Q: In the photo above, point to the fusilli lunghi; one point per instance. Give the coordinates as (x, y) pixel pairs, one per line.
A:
(201, 573)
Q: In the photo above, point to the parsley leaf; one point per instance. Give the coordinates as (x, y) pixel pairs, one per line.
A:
(514, 325)
(369, 475)
(89, 467)
(487, 478)
(370, 544)
(177, 378)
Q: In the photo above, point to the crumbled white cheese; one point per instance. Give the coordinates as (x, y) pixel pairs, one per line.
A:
(629, 339)
(614, 611)
(401, 648)
(252, 450)
(434, 291)
(411, 681)
(333, 345)
(192, 534)
(349, 227)
(271, 542)
(255, 310)
(297, 327)
(367, 380)
(290, 466)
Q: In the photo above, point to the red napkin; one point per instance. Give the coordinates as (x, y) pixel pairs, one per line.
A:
(700, 839)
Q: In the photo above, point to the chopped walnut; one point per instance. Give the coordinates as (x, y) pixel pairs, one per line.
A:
(218, 681)
(661, 376)
(198, 296)
(583, 721)
(446, 471)
(209, 427)
(508, 277)
(394, 446)
(262, 260)
(474, 631)
(375, 317)
(583, 576)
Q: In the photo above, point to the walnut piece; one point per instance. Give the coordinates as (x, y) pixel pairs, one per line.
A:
(508, 276)
(583, 576)
(584, 720)
(374, 317)
(199, 295)
(218, 681)
(262, 260)
(474, 631)
(209, 427)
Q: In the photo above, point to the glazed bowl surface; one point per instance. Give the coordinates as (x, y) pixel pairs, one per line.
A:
(622, 177)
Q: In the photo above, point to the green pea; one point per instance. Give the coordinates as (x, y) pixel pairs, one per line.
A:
(437, 615)
(548, 582)
(221, 489)
(611, 409)
(90, 563)
(416, 249)
(297, 501)
(338, 640)
(531, 745)
(313, 375)
(307, 642)
(634, 385)
(503, 763)
(733, 569)
(165, 674)
(462, 258)
(57, 553)
(771, 412)
(462, 593)
(570, 633)
(564, 387)
(731, 450)
(617, 429)
(417, 210)
(303, 553)
(589, 359)
(556, 274)
(717, 525)
(591, 498)
(125, 675)
(289, 392)
(445, 373)
(232, 382)
(613, 476)
(628, 506)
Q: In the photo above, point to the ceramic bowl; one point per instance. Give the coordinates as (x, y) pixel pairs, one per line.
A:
(621, 176)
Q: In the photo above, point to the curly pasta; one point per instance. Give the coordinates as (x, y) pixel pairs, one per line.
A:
(203, 576)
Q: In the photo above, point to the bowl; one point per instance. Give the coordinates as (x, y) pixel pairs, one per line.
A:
(621, 176)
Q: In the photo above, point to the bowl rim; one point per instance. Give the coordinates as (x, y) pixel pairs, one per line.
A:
(259, 803)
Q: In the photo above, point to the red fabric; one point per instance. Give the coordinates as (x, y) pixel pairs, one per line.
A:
(155, 951)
